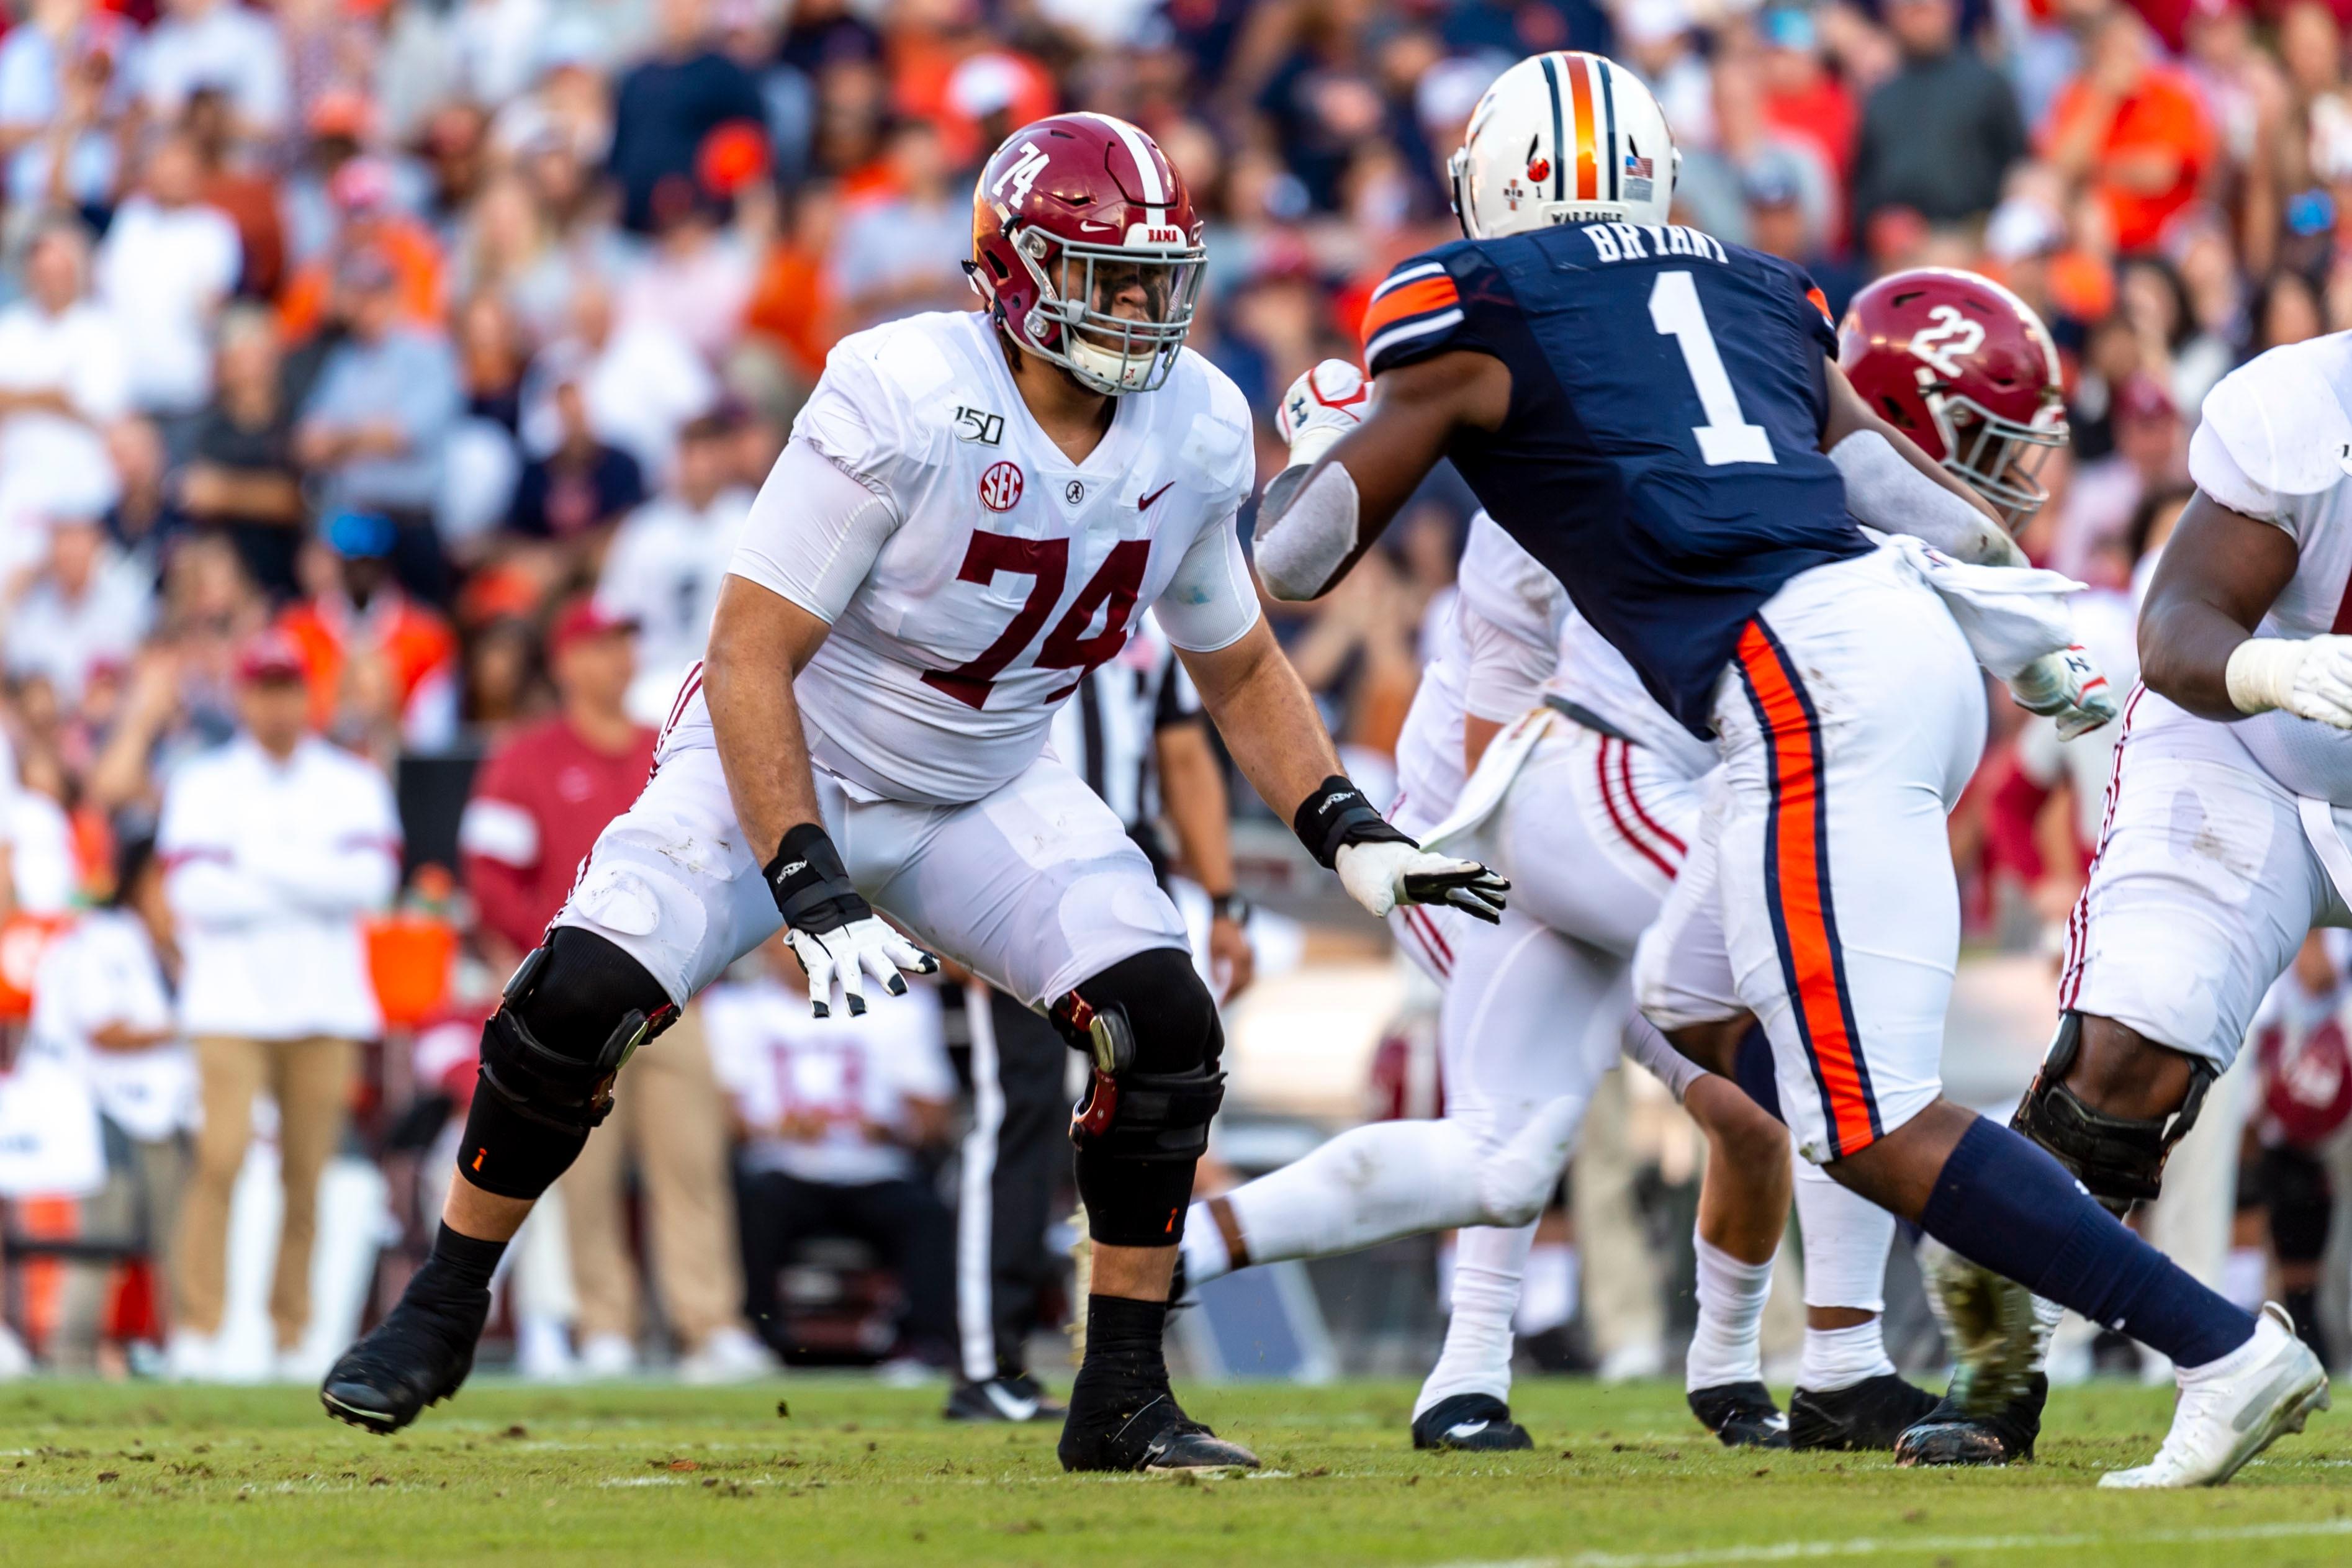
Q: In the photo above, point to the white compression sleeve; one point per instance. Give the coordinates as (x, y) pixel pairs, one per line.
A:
(1306, 530)
(1887, 492)
(1506, 672)
(1209, 602)
(812, 533)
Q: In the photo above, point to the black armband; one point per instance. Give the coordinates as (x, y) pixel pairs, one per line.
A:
(812, 888)
(1336, 815)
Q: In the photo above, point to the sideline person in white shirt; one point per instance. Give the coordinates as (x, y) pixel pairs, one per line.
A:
(832, 1112)
(276, 846)
(102, 1007)
(63, 378)
(168, 262)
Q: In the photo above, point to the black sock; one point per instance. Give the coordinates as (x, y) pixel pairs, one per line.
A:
(1123, 1347)
(2004, 1202)
(461, 1262)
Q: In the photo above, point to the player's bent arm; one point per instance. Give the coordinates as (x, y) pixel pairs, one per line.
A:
(1505, 679)
(1263, 710)
(1896, 487)
(1318, 518)
(758, 641)
(2217, 576)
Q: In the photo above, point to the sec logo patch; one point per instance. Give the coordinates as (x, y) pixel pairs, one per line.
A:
(999, 488)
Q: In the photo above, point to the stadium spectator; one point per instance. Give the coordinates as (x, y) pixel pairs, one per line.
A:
(833, 1115)
(102, 1005)
(1937, 136)
(579, 491)
(668, 559)
(638, 380)
(86, 607)
(241, 479)
(373, 428)
(216, 43)
(901, 252)
(381, 667)
(275, 845)
(2131, 128)
(665, 111)
(64, 376)
(168, 263)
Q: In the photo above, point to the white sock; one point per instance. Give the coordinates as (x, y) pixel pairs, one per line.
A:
(1840, 1357)
(1487, 1266)
(1846, 1239)
(1205, 1256)
(2046, 1314)
(1368, 1185)
(1726, 1348)
(1548, 1288)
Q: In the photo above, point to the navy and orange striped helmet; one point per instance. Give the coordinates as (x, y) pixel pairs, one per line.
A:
(1564, 137)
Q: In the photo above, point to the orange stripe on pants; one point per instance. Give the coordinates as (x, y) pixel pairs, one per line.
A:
(1808, 950)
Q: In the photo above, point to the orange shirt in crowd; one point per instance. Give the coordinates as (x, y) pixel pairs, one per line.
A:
(2162, 112)
(415, 261)
(417, 646)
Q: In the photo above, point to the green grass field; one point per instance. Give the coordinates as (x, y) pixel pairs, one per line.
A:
(146, 1475)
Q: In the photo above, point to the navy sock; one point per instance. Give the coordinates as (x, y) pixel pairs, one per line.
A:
(2004, 1202)
(1751, 1069)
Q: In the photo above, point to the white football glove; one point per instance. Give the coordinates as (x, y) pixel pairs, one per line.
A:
(833, 930)
(2067, 686)
(2310, 678)
(1321, 406)
(1383, 874)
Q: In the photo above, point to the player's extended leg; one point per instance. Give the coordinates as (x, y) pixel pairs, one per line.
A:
(2204, 886)
(1849, 1395)
(571, 1016)
(1842, 764)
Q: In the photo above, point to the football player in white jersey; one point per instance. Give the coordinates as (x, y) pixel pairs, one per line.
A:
(1593, 797)
(2223, 842)
(971, 512)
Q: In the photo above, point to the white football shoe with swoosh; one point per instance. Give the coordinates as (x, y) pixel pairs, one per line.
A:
(2234, 1408)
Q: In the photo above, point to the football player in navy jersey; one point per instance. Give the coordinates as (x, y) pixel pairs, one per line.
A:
(1658, 418)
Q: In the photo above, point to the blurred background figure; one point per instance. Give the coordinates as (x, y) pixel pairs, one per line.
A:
(838, 1121)
(276, 844)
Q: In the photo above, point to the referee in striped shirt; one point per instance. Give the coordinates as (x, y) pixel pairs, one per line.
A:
(1134, 731)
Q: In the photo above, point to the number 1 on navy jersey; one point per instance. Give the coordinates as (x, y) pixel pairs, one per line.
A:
(1726, 436)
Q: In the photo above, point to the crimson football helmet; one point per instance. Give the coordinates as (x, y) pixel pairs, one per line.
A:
(1086, 246)
(1966, 369)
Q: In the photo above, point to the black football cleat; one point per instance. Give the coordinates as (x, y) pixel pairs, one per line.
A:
(417, 1357)
(1947, 1437)
(1470, 1423)
(1156, 1437)
(1019, 1397)
(1870, 1413)
(1741, 1415)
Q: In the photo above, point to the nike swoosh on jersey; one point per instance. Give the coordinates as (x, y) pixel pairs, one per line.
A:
(1144, 504)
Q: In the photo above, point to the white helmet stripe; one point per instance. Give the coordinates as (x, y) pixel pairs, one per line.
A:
(1155, 195)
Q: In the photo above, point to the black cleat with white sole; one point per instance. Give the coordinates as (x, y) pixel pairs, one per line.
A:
(1740, 1414)
(417, 1357)
(1155, 1436)
(1946, 1435)
(1470, 1423)
(1869, 1414)
(1017, 1398)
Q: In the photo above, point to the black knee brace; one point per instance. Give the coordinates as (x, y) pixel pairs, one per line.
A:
(1150, 1027)
(2119, 1159)
(574, 1010)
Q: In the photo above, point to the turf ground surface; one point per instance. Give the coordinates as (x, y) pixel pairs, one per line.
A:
(1622, 1479)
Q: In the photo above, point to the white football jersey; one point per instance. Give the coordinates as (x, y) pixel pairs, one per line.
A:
(2277, 445)
(1501, 584)
(1009, 571)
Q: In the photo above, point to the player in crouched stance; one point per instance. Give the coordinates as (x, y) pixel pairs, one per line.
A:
(1655, 417)
(971, 511)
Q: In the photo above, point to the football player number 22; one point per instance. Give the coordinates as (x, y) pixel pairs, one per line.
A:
(1726, 436)
(1111, 591)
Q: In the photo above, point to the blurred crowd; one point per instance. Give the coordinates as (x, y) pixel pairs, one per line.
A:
(371, 370)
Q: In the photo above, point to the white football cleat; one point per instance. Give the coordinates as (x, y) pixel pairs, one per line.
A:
(727, 1354)
(608, 1355)
(2234, 1408)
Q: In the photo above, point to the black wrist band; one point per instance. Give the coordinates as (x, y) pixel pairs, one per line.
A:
(1336, 815)
(811, 886)
(1230, 907)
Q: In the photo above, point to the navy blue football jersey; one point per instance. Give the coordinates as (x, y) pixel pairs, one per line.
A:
(1662, 454)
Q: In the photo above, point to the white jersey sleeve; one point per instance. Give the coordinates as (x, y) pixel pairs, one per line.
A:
(2276, 433)
(1210, 602)
(1510, 609)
